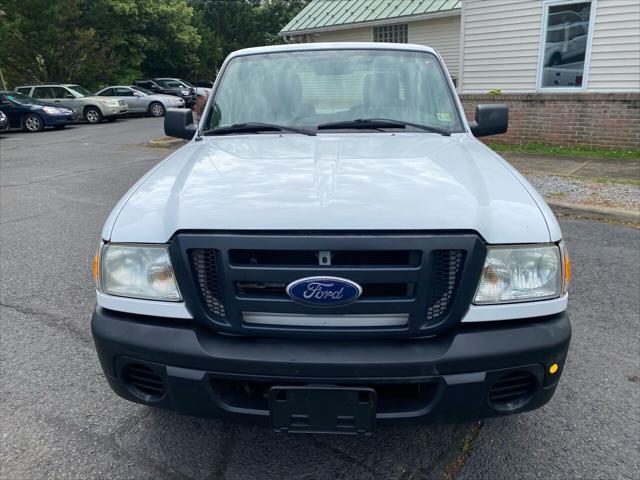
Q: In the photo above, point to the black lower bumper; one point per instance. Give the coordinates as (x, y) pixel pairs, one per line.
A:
(458, 376)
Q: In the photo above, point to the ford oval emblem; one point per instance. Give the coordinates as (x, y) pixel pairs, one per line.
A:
(324, 291)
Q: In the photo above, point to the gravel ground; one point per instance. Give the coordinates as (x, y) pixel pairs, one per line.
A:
(574, 190)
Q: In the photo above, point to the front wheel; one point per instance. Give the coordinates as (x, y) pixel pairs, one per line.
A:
(92, 115)
(156, 109)
(33, 123)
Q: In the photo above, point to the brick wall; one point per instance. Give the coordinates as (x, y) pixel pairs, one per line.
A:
(603, 120)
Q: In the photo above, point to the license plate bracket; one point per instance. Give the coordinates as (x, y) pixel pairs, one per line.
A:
(323, 409)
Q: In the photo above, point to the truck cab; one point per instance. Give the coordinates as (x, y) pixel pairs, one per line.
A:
(332, 250)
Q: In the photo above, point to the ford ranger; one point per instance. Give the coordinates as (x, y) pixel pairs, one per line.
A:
(333, 250)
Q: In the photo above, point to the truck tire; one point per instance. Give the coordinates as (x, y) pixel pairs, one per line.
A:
(92, 115)
(32, 123)
(156, 109)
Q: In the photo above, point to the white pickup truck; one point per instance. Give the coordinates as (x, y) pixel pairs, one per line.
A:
(333, 250)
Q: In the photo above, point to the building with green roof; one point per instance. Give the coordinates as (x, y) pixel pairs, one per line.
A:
(428, 22)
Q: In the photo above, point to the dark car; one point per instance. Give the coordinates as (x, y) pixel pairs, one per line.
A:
(169, 86)
(4, 122)
(32, 115)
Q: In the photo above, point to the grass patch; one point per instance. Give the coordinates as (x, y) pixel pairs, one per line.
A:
(537, 148)
(612, 181)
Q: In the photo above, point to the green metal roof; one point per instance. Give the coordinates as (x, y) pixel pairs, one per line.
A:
(324, 14)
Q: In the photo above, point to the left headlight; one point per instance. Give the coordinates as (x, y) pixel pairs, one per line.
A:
(520, 274)
(52, 110)
(137, 271)
(184, 92)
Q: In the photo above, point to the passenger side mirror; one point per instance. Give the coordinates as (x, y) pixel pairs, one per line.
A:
(179, 123)
(491, 119)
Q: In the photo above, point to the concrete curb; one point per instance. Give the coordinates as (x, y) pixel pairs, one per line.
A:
(592, 211)
(166, 142)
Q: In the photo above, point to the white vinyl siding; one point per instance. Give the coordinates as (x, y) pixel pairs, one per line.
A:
(501, 45)
(615, 50)
(443, 34)
(363, 34)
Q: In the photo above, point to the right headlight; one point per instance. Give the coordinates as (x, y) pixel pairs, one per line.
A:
(136, 271)
(521, 274)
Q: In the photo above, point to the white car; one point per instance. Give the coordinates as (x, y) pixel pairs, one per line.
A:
(142, 101)
(333, 249)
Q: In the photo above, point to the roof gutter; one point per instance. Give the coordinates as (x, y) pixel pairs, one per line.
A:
(372, 23)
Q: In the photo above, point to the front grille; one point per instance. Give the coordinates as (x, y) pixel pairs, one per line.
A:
(205, 266)
(427, 279)
(144, 382)
(445, 278)
(313, 258)
(512, 390)
(369, 290)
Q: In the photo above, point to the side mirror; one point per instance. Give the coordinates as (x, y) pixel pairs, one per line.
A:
(179, 123)
(491, 119)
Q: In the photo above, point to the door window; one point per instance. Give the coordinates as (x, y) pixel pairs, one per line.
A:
(124, 92)
(59, 92)
(42, 92)
(107, 93)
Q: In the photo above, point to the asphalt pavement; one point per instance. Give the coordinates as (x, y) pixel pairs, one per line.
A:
(60, 420)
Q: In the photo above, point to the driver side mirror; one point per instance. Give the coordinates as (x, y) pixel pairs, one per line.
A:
(491, 119)
(178, 122)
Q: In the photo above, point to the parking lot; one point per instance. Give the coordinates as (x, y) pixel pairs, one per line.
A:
(59, 419)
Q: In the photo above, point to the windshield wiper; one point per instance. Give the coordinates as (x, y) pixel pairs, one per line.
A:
(249, 127)
(374, 123)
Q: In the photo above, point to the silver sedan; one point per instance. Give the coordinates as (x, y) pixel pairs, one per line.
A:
(141, 100)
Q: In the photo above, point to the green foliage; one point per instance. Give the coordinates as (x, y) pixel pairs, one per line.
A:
(99, 42)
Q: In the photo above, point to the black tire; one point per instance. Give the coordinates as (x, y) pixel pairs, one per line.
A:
(32, 123)
(92, 115)
(156, 109)
(59, 127)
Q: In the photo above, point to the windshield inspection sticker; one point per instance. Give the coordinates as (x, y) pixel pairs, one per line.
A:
(444, 116)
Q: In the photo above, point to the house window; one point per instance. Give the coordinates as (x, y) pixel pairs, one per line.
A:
(391, 33)
(566, 41)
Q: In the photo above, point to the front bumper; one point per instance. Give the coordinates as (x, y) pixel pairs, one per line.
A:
(453, 374)
(56, 120)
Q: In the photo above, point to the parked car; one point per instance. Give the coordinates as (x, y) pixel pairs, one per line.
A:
(168, 87)
(204, 87)
(322, 259)
(4, 122)
(84, 104)
(140, 100)
(31, 114)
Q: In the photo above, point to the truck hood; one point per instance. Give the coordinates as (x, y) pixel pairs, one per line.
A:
(348, 181)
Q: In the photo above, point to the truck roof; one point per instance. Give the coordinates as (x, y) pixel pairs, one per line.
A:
(332, 46)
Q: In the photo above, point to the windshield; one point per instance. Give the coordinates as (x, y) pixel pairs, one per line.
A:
(308, 88)
(83, 92)
(142, 90)
(170, 84)
(22, 99)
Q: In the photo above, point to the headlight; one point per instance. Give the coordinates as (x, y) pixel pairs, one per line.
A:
(137, 271)
(520, 274)
(111, 103)
(184, 92)
(52, 110)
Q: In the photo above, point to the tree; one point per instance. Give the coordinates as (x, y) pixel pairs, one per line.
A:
(95, 42)
(228, 25)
